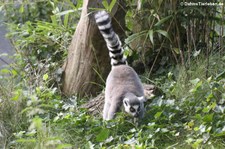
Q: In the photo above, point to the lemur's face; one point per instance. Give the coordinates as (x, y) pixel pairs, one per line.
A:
(134, 106)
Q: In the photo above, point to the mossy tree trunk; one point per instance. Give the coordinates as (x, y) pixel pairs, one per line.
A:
(88, 63)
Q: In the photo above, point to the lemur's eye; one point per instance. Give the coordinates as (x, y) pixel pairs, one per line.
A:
(132, 109)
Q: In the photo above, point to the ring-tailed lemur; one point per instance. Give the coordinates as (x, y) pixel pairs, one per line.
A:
(123, 86)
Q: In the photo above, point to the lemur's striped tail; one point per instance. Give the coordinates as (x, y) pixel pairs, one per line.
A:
(112, 39)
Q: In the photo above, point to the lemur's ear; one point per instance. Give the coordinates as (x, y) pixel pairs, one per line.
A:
(142, 99)
(125, 101)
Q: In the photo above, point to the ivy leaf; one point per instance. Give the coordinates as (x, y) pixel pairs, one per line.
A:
(197, 143)
(131, 141)
(108, 140)
(16, 94)
(208, 118)
(45, 77)
(220, 132)
(103, 135)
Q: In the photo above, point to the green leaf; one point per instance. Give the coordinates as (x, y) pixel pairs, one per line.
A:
(1, 7)
(191, 124)
(14, 72)
(164, 33)
(213, 105)
(37, 123)
(150, 34)
(209, 97)
(45, 77)
(63, 146)
(66, 19)
(52, 3)
(206, 109)
(197, 143)
(21, 10)
(54, 19)
(108, 140)
(64, 12)
(196, 129)
(16, 94)
(129, 22)
(157, 115)
(103, 135)
(198, 116)
(208, 118)
(26, 140)
(5, 71)
(135, 36)
(220, 76)
(3, 54)
(162, 21)
(105, 4)
(196, 53)
(112, 4)
(196, 87)
(90, 145)
(176, 50)
(195, 81)
(220, 134)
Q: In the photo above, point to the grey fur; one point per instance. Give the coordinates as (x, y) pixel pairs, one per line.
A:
(123, 86)
(123, 83)
(111, 38)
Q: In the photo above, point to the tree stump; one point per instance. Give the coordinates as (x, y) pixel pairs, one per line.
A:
(88, 63)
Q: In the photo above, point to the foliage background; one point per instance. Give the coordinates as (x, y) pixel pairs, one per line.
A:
(178, 48)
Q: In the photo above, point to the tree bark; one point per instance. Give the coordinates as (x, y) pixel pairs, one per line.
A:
(88, 63)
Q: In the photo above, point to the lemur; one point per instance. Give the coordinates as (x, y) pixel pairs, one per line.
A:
(123, 86)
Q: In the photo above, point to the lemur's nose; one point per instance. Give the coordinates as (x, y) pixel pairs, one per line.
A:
(136, 115)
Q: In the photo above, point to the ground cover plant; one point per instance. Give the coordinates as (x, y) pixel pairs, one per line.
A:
(187, 112)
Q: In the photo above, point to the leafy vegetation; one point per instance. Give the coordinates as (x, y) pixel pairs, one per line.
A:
(185, 65)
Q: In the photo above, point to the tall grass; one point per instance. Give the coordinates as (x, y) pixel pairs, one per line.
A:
(11, 105)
